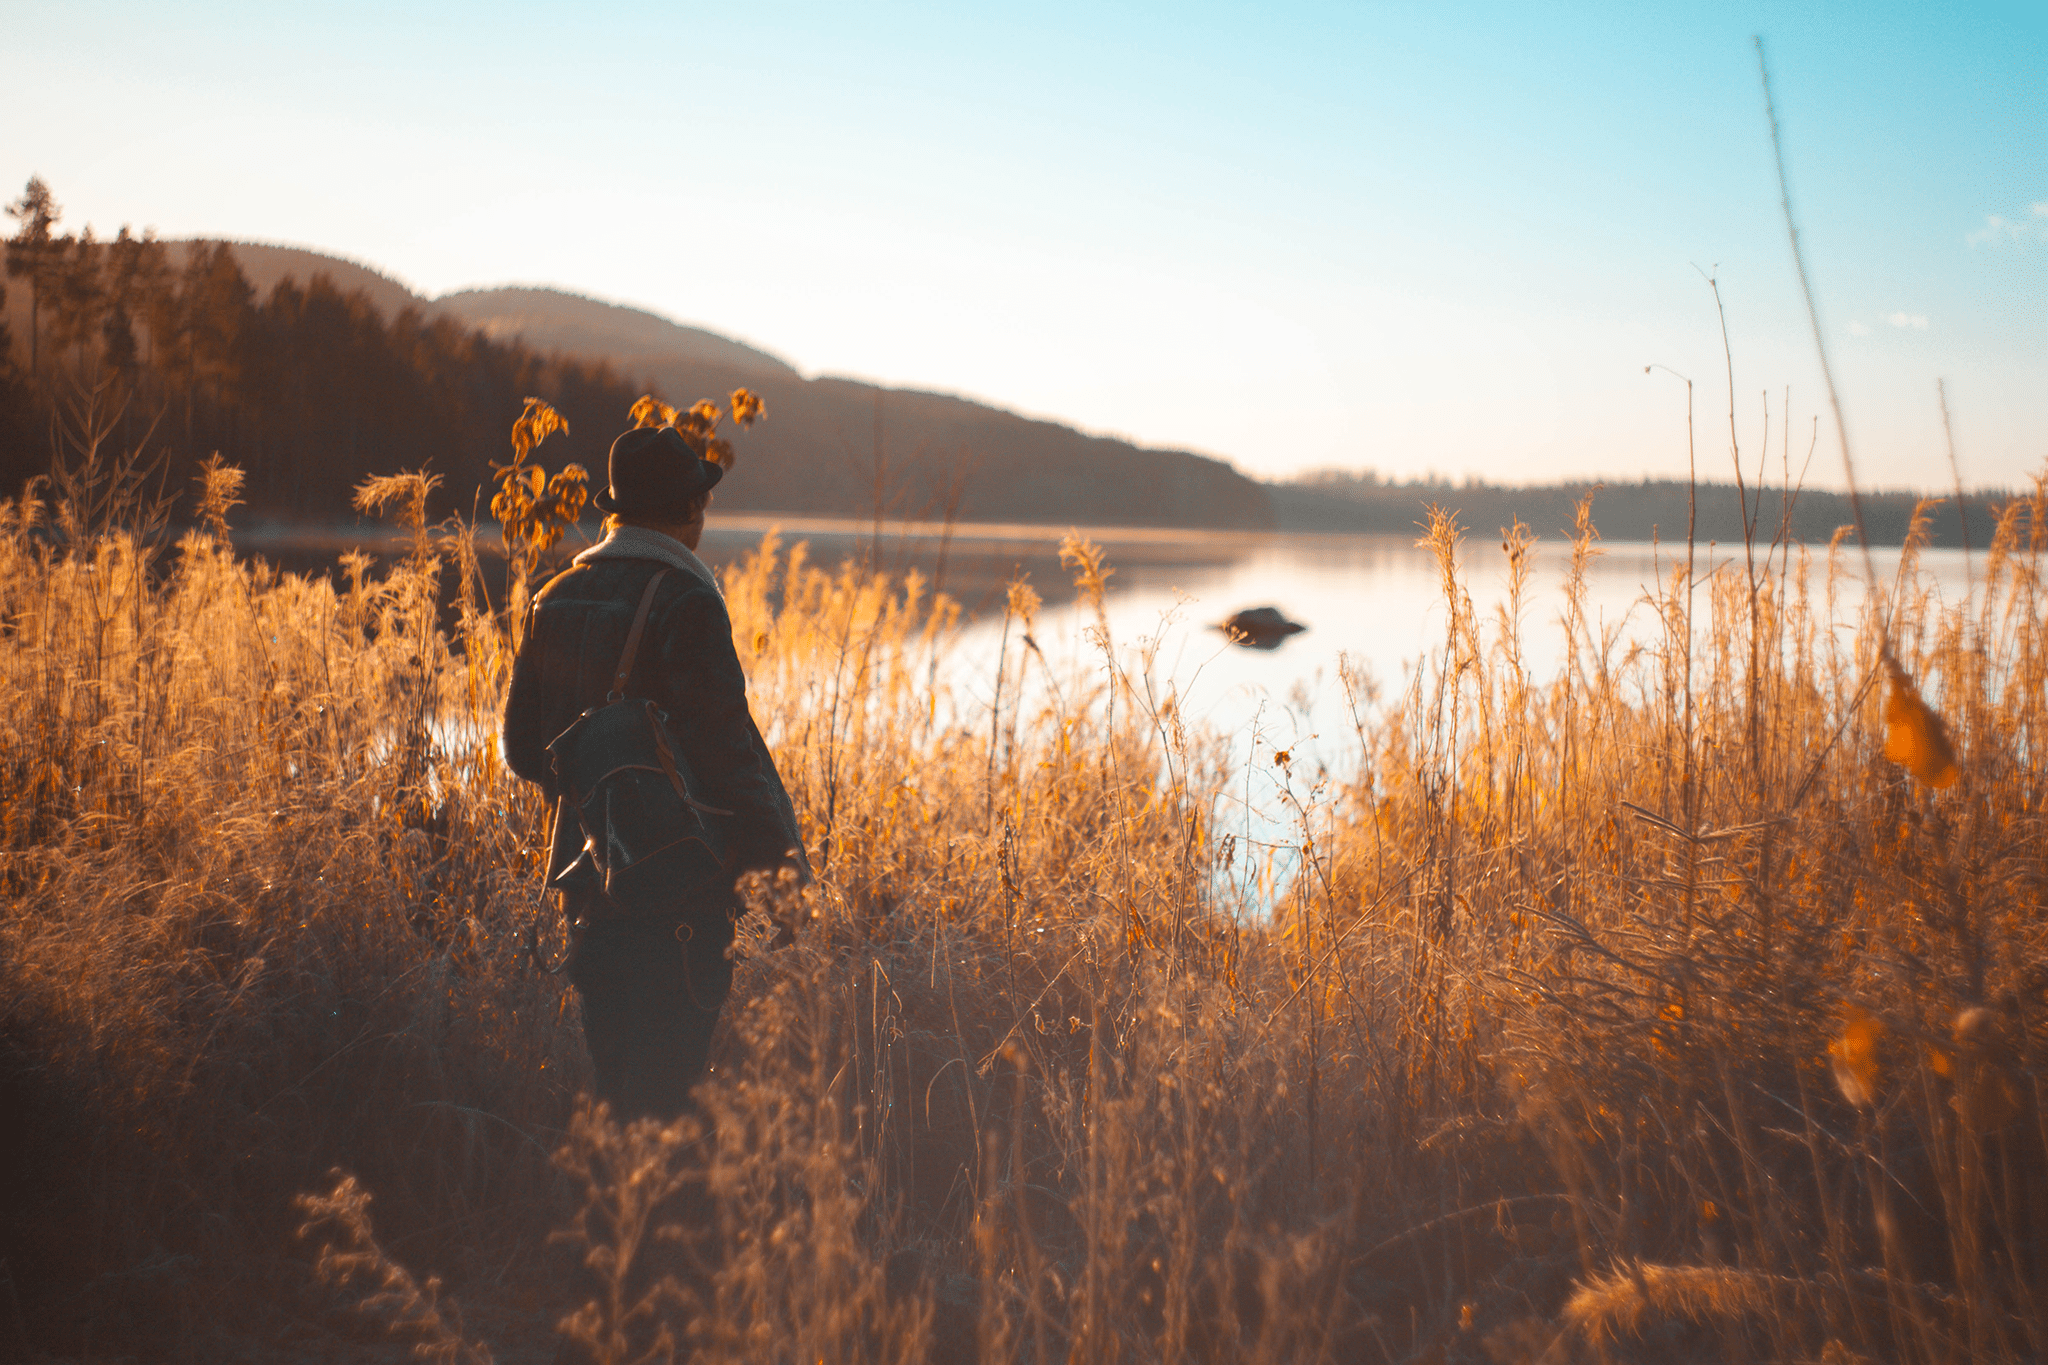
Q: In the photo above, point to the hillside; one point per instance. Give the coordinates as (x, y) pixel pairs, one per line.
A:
(307, 383)
(266, 266)
(291, 362)
(314, 387)
(816, 453)
(631, 338)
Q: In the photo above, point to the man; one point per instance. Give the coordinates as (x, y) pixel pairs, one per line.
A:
(650, 963)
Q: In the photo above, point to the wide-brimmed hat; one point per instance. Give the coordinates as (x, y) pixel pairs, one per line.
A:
(654, 473)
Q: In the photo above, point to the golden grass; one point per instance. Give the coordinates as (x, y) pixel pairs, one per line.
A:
(1537, 1055)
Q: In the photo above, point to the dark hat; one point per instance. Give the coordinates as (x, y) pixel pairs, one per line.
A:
(653, 472)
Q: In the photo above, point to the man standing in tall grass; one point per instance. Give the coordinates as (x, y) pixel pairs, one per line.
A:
(651, 959)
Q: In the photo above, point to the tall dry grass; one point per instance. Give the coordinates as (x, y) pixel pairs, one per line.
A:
(1646, 1011)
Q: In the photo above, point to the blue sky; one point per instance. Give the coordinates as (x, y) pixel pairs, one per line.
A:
(1423, 240)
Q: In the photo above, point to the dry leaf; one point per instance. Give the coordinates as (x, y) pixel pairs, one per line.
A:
(747, 407)
(1914, 735)
(535, 425)
(651, 412)
(1854, 1056)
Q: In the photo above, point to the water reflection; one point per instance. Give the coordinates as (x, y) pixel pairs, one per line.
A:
(1291, 717)
(1373, 603)
(1374, 606)
(1262, 628)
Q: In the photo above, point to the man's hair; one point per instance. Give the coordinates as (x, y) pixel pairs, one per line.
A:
(691, 510)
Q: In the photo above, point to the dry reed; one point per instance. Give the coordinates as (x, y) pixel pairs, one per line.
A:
(1646, 1010)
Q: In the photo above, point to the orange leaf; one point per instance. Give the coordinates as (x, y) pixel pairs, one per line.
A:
(1914, 735)
(533, 426)
(747, 407)
(1854, 1056)
(570, 491)
(651, 412)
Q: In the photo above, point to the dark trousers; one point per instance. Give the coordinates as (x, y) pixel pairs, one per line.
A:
(651, 981)
(651, 984)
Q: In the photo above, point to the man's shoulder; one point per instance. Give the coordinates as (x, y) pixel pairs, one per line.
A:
(593, 580)
(612, 581)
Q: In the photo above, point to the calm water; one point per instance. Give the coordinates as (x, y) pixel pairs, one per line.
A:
(1372, 600)
(1375, 600)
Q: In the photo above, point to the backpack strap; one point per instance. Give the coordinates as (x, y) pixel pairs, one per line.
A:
(618, 692)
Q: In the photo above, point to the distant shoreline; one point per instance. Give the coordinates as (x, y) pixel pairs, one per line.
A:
(973, 548)
(1643, 511)
(1397, 511)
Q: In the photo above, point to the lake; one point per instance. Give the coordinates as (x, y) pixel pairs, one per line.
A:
(1375, 600)
(1372, 599)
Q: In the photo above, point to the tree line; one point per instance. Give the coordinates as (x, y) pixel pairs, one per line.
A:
(1653, 509)
(167, 347)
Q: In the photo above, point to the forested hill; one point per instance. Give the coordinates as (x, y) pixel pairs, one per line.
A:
(313, 372)
(817, 452)
(171, 348)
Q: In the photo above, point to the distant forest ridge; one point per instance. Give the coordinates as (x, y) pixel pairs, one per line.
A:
(1652, 509)
(312, 373)
(309, 389)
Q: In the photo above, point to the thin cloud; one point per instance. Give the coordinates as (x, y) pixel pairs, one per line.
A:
(1859, 329)
(1916, 321)
(2030, 227)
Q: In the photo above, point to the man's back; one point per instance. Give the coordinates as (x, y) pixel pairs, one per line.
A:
(686, 665)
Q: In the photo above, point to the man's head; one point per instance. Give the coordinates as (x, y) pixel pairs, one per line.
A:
(657, 481)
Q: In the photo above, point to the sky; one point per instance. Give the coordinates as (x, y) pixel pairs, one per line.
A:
(1441, 239)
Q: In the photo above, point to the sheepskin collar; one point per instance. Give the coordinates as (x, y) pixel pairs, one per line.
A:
(637, 542)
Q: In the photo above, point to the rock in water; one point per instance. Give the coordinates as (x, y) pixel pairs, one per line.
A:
(1259, 628)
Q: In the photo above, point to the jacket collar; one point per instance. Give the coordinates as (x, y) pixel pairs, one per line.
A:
(637, 542)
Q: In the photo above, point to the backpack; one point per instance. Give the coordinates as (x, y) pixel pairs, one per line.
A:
(632, 796)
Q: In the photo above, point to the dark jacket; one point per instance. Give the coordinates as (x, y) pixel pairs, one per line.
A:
(686, 665)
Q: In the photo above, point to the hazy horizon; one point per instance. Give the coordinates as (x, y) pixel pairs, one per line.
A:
(1292, 239)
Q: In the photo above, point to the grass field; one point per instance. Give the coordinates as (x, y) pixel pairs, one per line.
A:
(1645, 1012)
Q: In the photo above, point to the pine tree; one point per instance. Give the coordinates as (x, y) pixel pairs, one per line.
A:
(29, 249)
(156, 297)
(218, 301)
(75, 294)
(119, 290)
(183, 333)
(17, 413)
